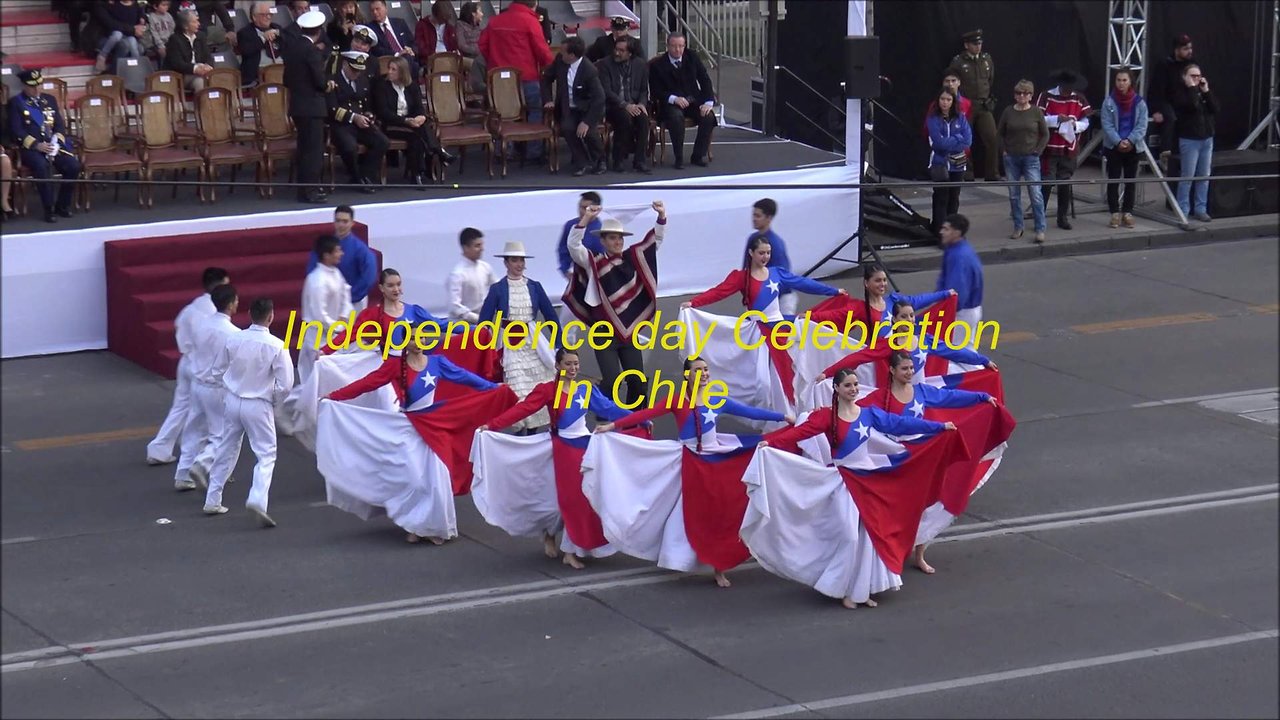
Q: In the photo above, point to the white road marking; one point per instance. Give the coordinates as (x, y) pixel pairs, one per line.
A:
(487, 597)
(824, 162)
(14, 541)
(1201, 398)
(987, 678)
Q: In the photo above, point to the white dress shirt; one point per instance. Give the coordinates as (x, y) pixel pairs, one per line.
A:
(468, 286)
(211, 336)
(326, 296)
(573, 72)
(195, 313)
(254, 365)
(582, 256)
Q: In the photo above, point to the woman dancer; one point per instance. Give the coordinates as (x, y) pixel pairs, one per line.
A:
(713, 496)
(876, 305)
(521, 300)
(906, 397)
(567, 400)
(422, 505)
(806, 535)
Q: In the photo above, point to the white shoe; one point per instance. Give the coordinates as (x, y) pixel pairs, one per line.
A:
(215, 510)
(263, 518)
(182, 485)
(201, 475)
(157, 461)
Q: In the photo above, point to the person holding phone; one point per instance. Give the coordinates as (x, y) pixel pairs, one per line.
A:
(1196, 109)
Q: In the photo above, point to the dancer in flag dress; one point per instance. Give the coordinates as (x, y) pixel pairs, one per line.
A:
(986, 431)
(876, 305)
(712, 497)
(533, 483)
(761, 287)
(802, 523)
(407, 464)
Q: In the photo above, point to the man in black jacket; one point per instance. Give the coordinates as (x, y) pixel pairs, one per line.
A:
(352, 122)
(188, 52)
(1164, 84)
(681, 88)
(259, 43)
(619, 29)
(579, 105)
(625, 79)
(304, 77)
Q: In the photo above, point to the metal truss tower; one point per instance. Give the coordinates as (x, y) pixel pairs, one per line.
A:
(1270, 123)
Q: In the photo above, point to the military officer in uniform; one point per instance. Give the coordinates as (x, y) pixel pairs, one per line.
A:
(362, 40)
(305, 77)
(36, 123)
(977, 73)
(352, 122)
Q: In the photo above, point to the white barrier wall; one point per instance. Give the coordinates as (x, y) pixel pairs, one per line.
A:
(53, 288)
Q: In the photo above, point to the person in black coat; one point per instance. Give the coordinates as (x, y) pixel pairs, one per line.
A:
(579, 105)
(410, 124)
(398, 42)
(602, 48)
(305, 78)
(188, 53)
(352, 122)
(625, 79)
(258, 42)
(681, 88)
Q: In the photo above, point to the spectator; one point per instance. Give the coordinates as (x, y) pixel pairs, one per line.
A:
(1066, 113)
(579, 105)
(223, 31)
(352, 123)
(37, 126)
(604, 46)
(125, 27)
(467, 31)
(6, 174)
(1166, 82)
(346, 16)
(681, 88)
(435, 32)
(188, 53)
(625, 79)
(393, 37)
(1023, 135)
(514, 39)
(962, 272)
(397, 101)
(362, 40)
(949, 137)
(258, 43)
(1196, 108)
(977, 70)
(297, 8)
(1124, 132)
(160, 26)
(951, 81)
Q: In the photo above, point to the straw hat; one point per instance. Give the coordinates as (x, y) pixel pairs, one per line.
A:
(611, 226)
(513, 249)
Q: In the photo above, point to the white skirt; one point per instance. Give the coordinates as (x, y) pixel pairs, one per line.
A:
(329, 373)
(802, 524)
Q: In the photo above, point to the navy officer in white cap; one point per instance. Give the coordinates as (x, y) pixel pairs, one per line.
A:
(304, 75)
(352, 122)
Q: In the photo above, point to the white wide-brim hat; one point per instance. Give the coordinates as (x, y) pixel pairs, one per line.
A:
(513, 249)
(611, 226)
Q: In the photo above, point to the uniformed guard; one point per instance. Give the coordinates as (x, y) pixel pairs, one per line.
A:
(305, 78)
(352, 122)
(362, 40)
(36, 123)
(977, 74)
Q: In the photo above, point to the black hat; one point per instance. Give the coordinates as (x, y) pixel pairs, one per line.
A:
(1182, 40)
(620, 23)
(30, 77)
(973, 36)
(1067, 79)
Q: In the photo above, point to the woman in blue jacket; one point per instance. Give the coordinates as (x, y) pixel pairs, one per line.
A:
(949, 137)
(521, 300)
(1124, 129)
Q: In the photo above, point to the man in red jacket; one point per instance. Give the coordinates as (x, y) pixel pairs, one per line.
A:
(514, 39)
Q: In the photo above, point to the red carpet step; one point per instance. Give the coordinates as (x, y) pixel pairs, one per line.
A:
(150, 280)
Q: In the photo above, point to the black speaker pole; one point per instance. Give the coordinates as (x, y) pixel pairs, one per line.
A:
(771, 70)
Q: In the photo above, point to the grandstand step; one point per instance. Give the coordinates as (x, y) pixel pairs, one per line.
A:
(261, 241)
(160, 333)
(55, 63)
(167, 277)
(25, 5)
(34, 16)
(167, 305)
(34, 39)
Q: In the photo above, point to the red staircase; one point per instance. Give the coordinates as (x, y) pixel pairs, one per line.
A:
(150, 280)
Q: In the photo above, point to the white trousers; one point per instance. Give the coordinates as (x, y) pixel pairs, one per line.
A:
(204, 426)
(165, 444)
(970, 317)
(257, 419)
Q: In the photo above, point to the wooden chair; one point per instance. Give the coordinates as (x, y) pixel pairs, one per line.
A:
(229, 80)
(444, 105)
(101, 121)
(57, 87)
(159, 149)
(271, 75)
(113, 87)
(452, 62)
(276, 136)
(168, 81)
(219, 141)
(509, 118)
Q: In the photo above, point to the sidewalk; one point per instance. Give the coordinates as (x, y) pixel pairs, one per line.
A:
(987, 208)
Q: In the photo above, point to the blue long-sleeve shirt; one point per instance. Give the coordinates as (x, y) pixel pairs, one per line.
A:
(779, 257)
(359, 266)
(590, 241)
(962, 272)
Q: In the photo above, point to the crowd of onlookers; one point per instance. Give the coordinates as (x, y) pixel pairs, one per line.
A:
(1039, 136)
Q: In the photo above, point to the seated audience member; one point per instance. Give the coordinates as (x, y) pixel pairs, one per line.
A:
(259, 43)
(625, 79)
(681, 88)
(352, 122)
(397, 101)
(467, 31)
(160, 26)
(579, 105)
(393, 36)
(188, 53)
(346, 16)
(220, 28)
(435, 32)
(37, 127)
(123, 26)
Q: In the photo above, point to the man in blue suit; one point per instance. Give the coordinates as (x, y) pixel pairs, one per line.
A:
(37, 125)
(394, 36)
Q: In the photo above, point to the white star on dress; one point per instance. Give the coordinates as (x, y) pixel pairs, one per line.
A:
(428, 379)
(773, 286)
(584, 401)
(862, 430)
(709, 416)
(917, 409)
(920, 356)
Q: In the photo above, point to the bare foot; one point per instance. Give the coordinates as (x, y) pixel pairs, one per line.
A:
(917, 558)
(411, 538)
(849, 603)
(436, 540)
(549, 546)
(871, 603)
(572, 561)
(721, 580)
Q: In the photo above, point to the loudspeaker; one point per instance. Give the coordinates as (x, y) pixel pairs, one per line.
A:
(862, 66)
(1235, 198)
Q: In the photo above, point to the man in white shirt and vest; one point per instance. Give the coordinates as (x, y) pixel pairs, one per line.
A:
(256, 373)
(160, 451)
(468, 283)
(205, 422)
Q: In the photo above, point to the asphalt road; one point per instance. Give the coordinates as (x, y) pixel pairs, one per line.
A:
(1122, 562)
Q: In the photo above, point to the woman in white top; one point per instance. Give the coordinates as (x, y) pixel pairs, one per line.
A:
(397, 101)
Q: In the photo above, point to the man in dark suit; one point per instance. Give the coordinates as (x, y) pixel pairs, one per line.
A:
(352, 122)
(259, 43)
(579, 105)
(305, 78)
(393, 36)
(602, 48)
(681, 88)
(36, 124)
(625, 79)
